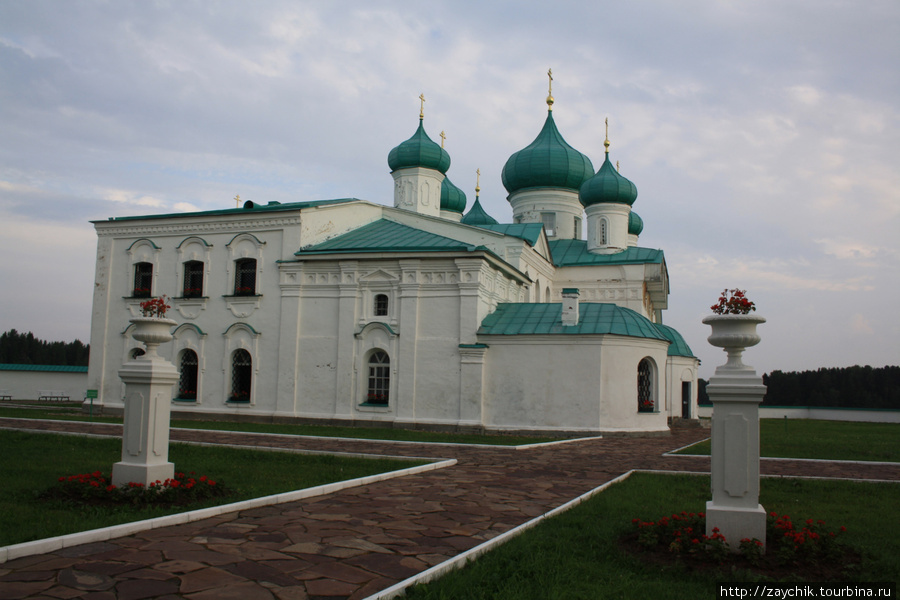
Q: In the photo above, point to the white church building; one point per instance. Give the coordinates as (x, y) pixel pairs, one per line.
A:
(419, 314)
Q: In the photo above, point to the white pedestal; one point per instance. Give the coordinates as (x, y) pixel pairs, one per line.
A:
(734, 508)
(145, 440)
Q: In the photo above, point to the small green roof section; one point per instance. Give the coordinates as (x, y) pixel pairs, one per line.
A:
(387, 236)
(249, 207)
(530, 232)
(453, 199)
(419, 151)
(568, 253)
(594, 318)
(43, 368)
(678, 347)
(478, 216)
(547, 162)
(635, 224)
(607, 186)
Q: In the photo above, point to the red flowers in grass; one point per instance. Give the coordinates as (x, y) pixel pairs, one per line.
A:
(97, 488)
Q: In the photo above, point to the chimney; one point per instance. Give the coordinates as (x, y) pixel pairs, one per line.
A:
(569, 307)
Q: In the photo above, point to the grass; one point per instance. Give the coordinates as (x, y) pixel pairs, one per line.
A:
(373, 433)
(577, 554)
(832, 440)
(33, 462)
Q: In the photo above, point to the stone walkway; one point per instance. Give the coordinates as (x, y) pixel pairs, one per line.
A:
(353, 543)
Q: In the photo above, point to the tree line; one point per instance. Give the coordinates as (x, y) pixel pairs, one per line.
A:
(845, 387)
(25, 349)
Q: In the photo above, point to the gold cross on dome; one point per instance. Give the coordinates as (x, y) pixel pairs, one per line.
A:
(550, 89)
(237, 201)
(422, 106)
(443, 138)
(606, 142)
(477, 181)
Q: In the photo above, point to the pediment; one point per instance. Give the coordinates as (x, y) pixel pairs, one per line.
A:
(378, 276)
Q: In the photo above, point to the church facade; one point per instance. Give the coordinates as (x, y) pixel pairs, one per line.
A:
(419, 314)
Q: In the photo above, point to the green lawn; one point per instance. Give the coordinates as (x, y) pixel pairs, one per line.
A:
(374, 433)
(576, 554)
(833, 440)
(33, 462)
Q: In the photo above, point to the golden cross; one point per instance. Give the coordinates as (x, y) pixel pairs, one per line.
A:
(237, 201)
(443, 137)
(617, 166)
(422, 106)
(550, 89)
(606, 143)
(477, 181)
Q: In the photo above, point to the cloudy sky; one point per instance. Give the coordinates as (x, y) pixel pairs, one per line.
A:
(763, 136)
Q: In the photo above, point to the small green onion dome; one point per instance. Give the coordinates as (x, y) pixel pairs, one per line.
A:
(635, 224)
(419, 151)
(477, 215)
(452, 198)
(607, 186)
(547, 162)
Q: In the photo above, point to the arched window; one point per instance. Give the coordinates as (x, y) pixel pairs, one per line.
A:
(193, 279)
(245, 277)
(187, 383)
(143, 280)
(379, 378)
(381, 305)
(241, 373)
(645, 386)
(604, 240)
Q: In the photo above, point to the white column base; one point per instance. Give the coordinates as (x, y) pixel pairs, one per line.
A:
(736, 523)
(124, 473)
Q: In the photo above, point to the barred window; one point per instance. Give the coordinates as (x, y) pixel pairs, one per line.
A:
(549, 221)
(381, 305)
(645, 386)
(143, 280)
(241, 373)
(193, 279)
(379, 378)
(245, 277)
(187, 383)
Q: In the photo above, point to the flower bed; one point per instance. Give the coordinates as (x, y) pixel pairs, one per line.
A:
(808, 550)
(97, 489)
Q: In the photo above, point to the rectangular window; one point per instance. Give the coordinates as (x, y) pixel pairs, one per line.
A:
(245, 277)
(577, 234)
(193, 279)
(143, 280)
(549, 221)
(381, 305)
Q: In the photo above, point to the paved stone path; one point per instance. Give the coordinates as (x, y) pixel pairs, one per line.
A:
(353, 543)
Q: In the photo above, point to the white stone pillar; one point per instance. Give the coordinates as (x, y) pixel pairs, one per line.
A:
(735, 391)
(148, 398)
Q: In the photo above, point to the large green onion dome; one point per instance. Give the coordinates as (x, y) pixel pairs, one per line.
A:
(419, 151)
(635, 224)
(547, 162)
(452, 198)
(607, 186)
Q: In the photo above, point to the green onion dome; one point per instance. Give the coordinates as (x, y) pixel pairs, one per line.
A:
(635, 224)
(452, 198)
(419, 151)
(547, 162)
(477, 215)
(607, 186)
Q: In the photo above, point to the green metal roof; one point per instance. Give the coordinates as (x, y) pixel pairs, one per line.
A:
(44, 368)
(547, 162)
(452, 198)
(478, 216)
(387, 236)
(678, 347)
(607, 186)
(530, 232)
(248, 208)
(568, 253)
(419, 151)
(519, 318)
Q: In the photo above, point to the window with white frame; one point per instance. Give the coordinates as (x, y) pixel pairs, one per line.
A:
(645, 386)
(143, 280)
(381, 305)
(193, 279)
(379, 381)
(245, 277)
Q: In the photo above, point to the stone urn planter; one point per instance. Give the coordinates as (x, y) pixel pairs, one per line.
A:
(152, 331)
(734, 333)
